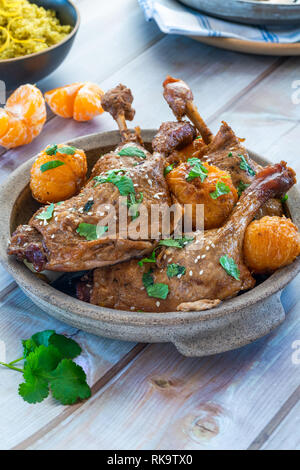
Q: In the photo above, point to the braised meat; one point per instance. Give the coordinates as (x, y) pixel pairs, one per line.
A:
(55, 241)
(223, 150)
(211, 268)
(172, 136)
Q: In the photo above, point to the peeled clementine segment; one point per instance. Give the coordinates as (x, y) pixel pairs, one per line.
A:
(61, 100)
(23, 117)
(4, 120)
(87, 103)
(16, 133)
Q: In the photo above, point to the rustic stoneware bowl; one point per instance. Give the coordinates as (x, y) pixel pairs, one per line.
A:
(232, 324)
(33, 67)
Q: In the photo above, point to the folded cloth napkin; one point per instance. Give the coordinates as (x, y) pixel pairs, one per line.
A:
(174, 18)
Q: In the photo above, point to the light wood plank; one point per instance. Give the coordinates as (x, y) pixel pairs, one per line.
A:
(286, 436)
(166, 401)
(19, 319)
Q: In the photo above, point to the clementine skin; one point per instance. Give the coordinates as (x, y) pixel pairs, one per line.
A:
(59, 183)
(23, 117)
(271, 243)
(80, 101)
(216, 210)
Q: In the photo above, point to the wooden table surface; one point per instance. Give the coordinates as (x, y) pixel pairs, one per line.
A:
(149, 396)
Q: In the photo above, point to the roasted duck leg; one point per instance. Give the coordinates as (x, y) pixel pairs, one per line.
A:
(223, 150)
(69, 239)
(199, 275)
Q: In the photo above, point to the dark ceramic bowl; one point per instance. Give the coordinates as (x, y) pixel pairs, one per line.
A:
(34, 67)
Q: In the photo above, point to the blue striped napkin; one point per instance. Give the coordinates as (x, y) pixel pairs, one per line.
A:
(174, 18)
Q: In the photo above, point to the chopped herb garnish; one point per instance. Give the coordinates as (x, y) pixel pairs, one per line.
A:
(168, 169)
(133, 205)
(244, 165)
(148, 279)
(159, 290)
(176, 242)
(151, 259)
(230, 267)
(230, 154)
(132, 152)
(284, 198)
(54, 149)
(50, 165)
(221, 188)
(88, 206)
(197, 171)
(51, 150)
(241, 187)
(66, 150)
(91, 231)
(117, 177)
(47, 213)
(175, 270)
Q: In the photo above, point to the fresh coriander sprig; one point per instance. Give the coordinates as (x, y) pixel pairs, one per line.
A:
(197, 170)
(48, 365)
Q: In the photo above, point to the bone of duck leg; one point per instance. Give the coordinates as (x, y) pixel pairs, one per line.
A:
(180, 99)
(117, 102)
(205, 278)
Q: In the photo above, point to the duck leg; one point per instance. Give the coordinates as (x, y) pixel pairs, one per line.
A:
(180, 99)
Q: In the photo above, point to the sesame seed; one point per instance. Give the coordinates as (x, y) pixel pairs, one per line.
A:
(207, 248)
(203, 256)
(191, 273)
(196, 260)
(201, 272)
(101, 213)
(157, 304)
(169, 260)
(107, 207)
(89, 213)
(52, 236)
(150, 182)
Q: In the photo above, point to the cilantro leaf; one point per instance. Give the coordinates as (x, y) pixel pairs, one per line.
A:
(67, 347)
(284, 198)
(230, 154)
(51, 150)
(123, 182)
(244, 165)
(151, 259)
(176, 242)
(148, 279)
(132, 152)
(50, 165)
(47, 213)
(168, 169)
(68, 383)
(88, 206)
(39, 364)
(197, 171)
(38, 339)
(91, 231)
(158, 291)
(221, 188)
(230, 267)
(241, 187)
(175, 270)
(68, 150)
(133, 205)
(35, 390)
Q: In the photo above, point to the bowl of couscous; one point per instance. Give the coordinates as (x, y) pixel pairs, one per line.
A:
(35, 37)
